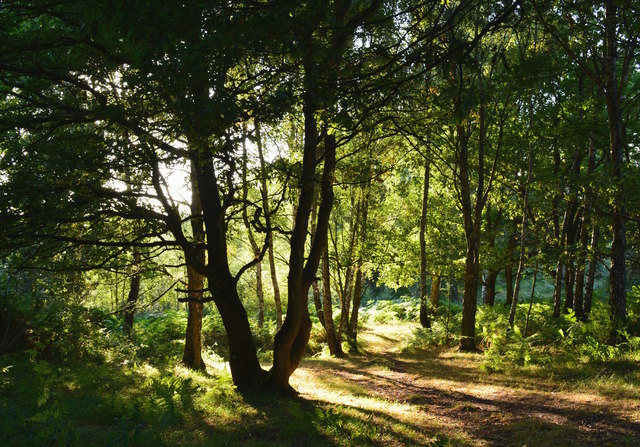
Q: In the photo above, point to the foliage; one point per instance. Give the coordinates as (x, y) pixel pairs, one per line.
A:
(390, 311)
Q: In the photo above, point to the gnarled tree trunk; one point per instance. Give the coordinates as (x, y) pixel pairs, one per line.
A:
(292, 338)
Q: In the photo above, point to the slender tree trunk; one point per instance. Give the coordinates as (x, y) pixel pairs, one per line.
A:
(569, 265)
(591, 273)
(335, 347)
(424, 310)
(471, 227)
(453, 289)
(260, 294)
(617, 278)
(352, 330)
(346, 297)
(533, 292)
(557, 288)
(252, 240)
(568, 285)
(508, 270)
(584, 235)
(317, 296)
(134, 292)
(569, 230)
(523, 233)
(317, 302)
(267, 214)
(243, 358)
(192, 355)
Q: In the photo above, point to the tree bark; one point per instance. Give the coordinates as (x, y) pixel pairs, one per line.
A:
(472, 233)
(533, 292)
(267, 214)
(335, 347)
(508, 270)
(579, 304)
(434, 297)
(243, 358)
(523, 232)
(352, 330)
(490, 282)
(591, 273)
(617, 278)
(252, 240)
(134, 292)
(317, 302)
(557, 287)
(424, 309)
(292, 338)
(192, 355)
(346, 292)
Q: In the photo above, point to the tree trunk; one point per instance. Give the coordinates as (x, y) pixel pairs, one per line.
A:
(508, 270)
(243, 358)
(317, 302)
(533, 292)
(352, 330)
(424, 309)
(569, 278)
(252, 240)
(579, 304)
(346, 296)
(557, 288)
(453, 289)
(267, 214)
(335, 347)
(617, 278)
(523, 233)
(434, 296)
(490, 282)
(192, 355)
(472, 233)
(591, 273)
(292, 338)
(134, 293)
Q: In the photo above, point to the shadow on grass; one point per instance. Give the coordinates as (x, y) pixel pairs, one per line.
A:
(499, 417)
(310, 422)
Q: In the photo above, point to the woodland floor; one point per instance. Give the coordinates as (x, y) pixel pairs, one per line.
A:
(380, 397)
(443, 397)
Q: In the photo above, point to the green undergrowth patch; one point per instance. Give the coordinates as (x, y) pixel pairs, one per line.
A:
(140, 404)
(564, 347)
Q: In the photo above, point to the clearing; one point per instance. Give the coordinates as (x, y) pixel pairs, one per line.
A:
(443, 397)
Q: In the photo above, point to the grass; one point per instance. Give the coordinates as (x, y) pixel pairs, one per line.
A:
(406, 387)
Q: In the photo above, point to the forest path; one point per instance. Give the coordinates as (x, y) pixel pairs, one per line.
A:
(444, 397)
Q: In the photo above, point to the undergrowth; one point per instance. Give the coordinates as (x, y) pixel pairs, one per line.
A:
(563, 343)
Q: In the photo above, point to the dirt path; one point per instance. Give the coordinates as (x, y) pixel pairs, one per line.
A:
(443, 397)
